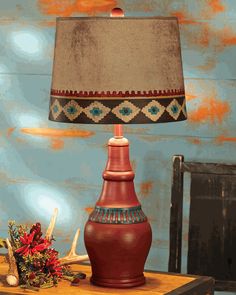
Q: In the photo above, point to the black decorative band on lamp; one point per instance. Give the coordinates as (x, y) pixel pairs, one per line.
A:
(118, 215)
(128, 110)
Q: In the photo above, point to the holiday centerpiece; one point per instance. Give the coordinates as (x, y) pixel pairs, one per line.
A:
(33, 262)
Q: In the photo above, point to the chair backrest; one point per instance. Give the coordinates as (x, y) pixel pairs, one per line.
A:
(212, 221)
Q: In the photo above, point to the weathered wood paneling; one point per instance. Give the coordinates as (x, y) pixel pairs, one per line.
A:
(44, 164)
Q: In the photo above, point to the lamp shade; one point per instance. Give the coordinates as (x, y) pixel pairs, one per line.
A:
(117, 71)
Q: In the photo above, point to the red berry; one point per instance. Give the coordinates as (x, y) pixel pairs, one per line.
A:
(31, 275)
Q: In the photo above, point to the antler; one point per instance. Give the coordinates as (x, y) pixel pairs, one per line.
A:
(12, 276)
(72, 257)
(51, 226)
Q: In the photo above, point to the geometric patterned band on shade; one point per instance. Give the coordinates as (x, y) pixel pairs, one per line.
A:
(121, 110)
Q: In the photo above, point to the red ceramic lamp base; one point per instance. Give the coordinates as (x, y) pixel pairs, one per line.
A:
(118, 235)
(117, 253)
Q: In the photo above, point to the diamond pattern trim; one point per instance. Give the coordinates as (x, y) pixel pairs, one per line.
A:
(126, 111)
(174, 109)
(118, 111)
(56, 109)
(96, 111)
(153, 110)
(72, 110)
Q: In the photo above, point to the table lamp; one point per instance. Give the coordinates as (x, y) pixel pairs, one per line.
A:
(117, 70)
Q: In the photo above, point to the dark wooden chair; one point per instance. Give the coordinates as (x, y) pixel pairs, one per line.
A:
(212, 221)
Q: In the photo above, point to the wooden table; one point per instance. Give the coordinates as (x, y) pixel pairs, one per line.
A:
(157, 283)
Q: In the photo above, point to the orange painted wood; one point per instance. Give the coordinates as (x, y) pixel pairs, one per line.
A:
(156, 283)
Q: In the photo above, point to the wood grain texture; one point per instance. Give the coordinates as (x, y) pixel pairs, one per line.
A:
(209, 168)
(156, 283)
(176, 215)
(212, 235)
(212, 224)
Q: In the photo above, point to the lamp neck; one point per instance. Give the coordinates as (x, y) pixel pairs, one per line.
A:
(118, 131)
(118, 187)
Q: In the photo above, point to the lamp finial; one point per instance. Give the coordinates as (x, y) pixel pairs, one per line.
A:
(117, 12)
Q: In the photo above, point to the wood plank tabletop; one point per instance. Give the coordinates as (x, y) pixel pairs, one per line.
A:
(156, 283)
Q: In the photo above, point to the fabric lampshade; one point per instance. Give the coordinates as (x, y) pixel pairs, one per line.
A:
(117, 71)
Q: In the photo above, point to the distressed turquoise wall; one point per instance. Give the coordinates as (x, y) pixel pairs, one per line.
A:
(45, 165)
